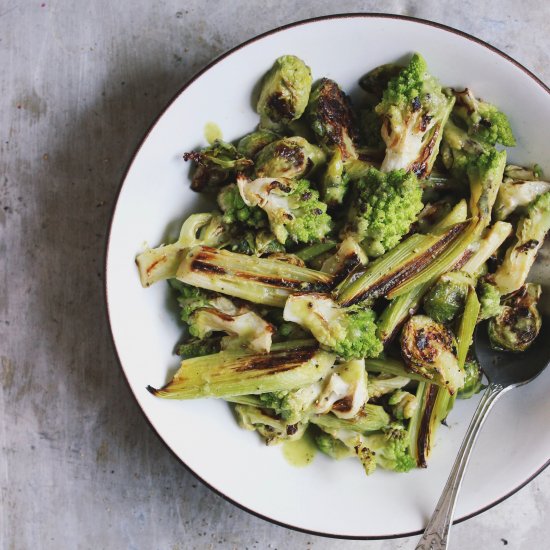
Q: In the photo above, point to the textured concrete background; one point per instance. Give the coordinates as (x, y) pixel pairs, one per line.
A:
(80, 84)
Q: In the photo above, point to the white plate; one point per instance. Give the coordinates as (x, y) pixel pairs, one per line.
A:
(328, 497)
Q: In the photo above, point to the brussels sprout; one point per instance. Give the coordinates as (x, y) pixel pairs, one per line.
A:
(446, 298)
(519, 322)
(285, 91)
(215, 164)
(291, 157)
(429, 348)
(472, 380)
(331, 118)
(251, 144)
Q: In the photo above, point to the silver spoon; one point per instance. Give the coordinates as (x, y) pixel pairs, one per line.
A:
(504, 371)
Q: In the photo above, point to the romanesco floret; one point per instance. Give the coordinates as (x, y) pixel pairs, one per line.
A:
(349, 332)
(190, 298)
(414, 110)
(292, 206)
(236, 211)
(391, 448)
(484, 121)
(332, 447)
(385, 206)
(489, 299)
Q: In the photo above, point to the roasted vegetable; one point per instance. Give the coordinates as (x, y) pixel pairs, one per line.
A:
(290, 365)
(345, 390)
(157, 264)
(429, 348)
(293, 208)
(484, 121)
(331, 117)
(349, 332)
(530, 234)
(216, 164)
(446, 298)
(384, 206)
(519, 322)
(258, 280)
(414, 111)
(250, 145)
(285, 92)
(472, 380)
(291, 157)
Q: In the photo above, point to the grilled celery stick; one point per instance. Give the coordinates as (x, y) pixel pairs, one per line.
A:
(402, 307)
(447, 260)
(434, 405)
(408, 259)
(467, 327)
(370, 418)
(488, 245)
(156, 264)
(259, 280)
(231, 373)
(393, 367)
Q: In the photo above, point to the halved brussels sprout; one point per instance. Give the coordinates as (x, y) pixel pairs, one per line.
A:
(519, 322)
(429, 348)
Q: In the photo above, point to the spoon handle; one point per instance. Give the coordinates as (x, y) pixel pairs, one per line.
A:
(436, 534)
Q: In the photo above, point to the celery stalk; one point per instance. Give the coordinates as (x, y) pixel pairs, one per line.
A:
(290, 365)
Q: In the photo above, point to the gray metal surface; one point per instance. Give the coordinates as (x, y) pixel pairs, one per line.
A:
(80, 83)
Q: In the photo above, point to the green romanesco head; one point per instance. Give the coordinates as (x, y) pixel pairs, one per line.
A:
(386, 205)
(357, 337)
(493, 126)
(483, 120)
(392, 448)
(332, 447)
(277, 402)
(489, 299)
(540, 208)
(408, 86)
(310, 221)
(190, 298)
(236, 211)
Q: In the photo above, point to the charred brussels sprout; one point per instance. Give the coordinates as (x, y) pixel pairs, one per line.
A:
(215, 164)
(251, 144)
(285, 91)
(331, 118)
(446, 298)
(291, 157)
(519, 322)
(428, 348)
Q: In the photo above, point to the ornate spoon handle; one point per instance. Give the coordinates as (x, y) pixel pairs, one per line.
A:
(436, 535)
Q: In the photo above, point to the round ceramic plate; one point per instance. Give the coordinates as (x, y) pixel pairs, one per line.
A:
(327, 497)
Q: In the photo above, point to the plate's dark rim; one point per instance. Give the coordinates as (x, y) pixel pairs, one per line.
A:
(106, 258)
